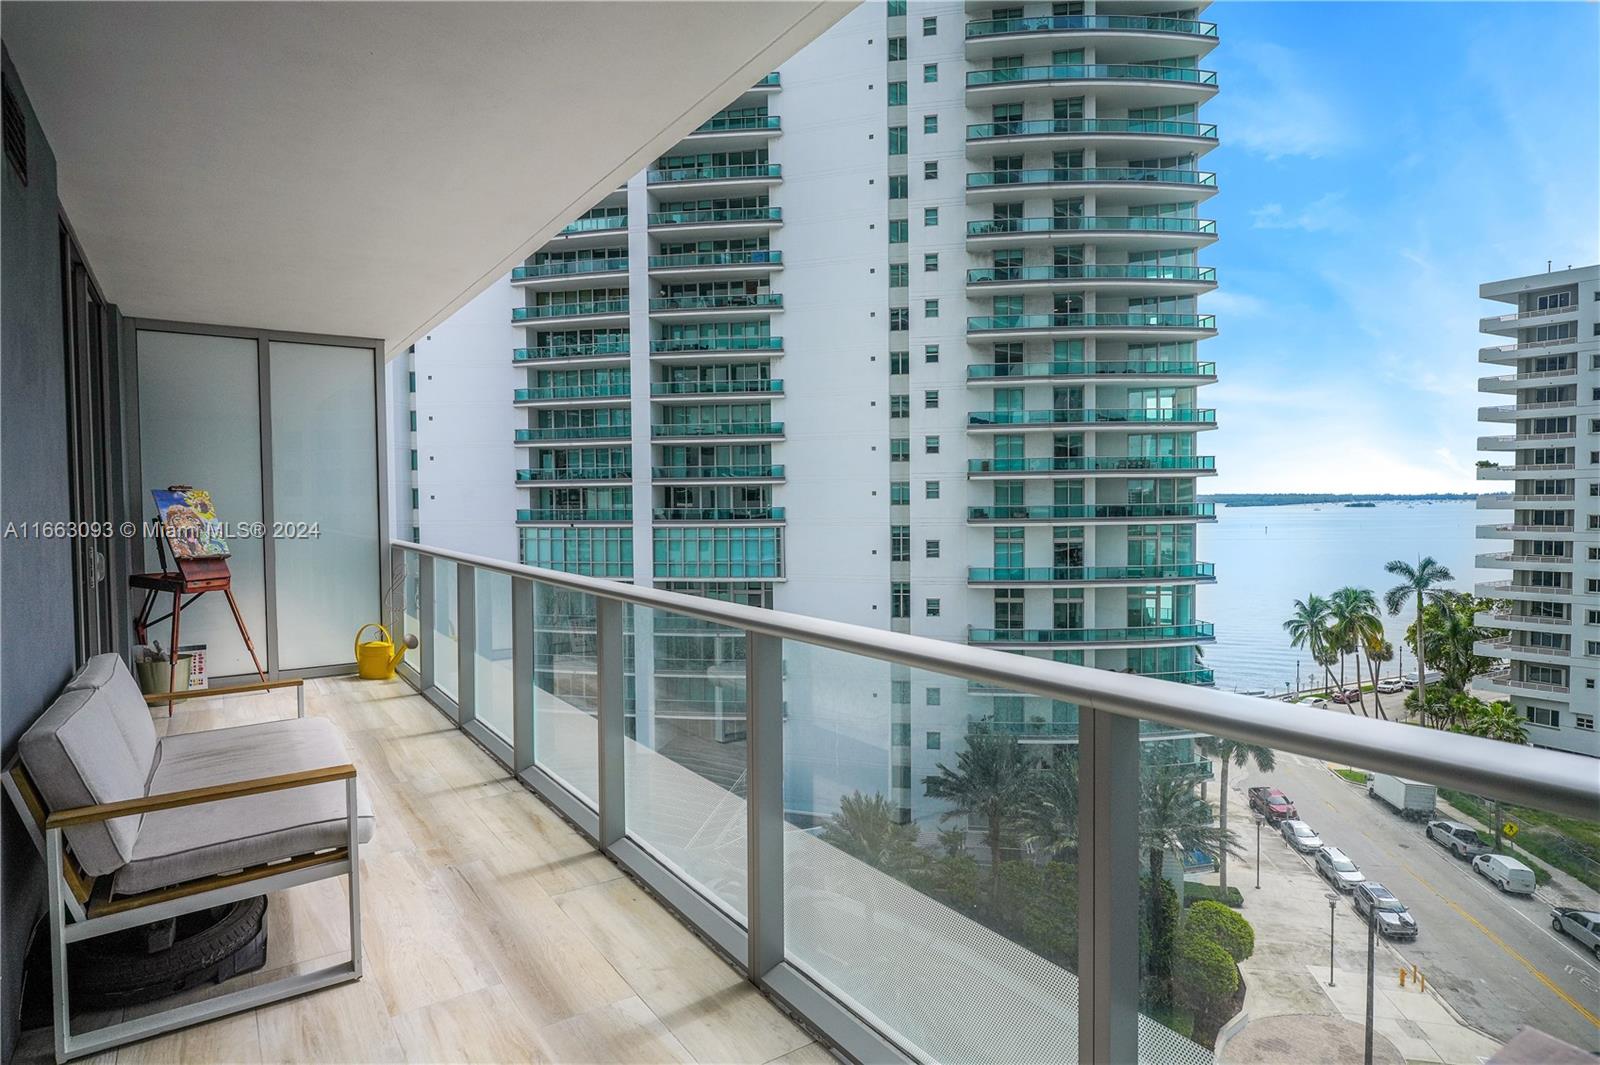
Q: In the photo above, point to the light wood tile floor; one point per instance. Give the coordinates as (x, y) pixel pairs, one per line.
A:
(494, 932)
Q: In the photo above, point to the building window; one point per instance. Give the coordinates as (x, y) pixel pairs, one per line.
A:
(900, 406)
(416, 534)
(900, 450)
(931, 490)
(899, 186)
(899, 493)
(899, 230)
(411, 381)
(1543, 716)
(930, 353)
(930, 123)
(897, 49)
(416, 498)
(930, 27)
(899, 599)
(930, 399)
(930, 263)
(899, 362)
(931, 445)
(897, 8)
(900, 692)
(930, 72)
(931, 549)
(900, 734)
(930, 308)
(899, 317)
(1582, 721)
(932, 608)
(930, 216)
(899, 275)
(933, 741)
(934, 696)
(930, 170)
(897, 94)
(413, 458)
(897, 140)
(899, 543)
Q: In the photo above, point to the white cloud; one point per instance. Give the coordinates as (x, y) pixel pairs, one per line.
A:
(1234, 304)
(1278, 104)
(1326, 213)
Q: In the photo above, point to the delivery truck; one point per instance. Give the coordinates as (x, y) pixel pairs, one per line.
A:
(1411, 799)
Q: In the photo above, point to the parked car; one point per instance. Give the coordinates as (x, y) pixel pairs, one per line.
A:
(1505, 872)
(1462, 840)
(1392, 686)
(1336, 867)
(1271, 803)
(1411, 799)
(1299, 835)
(1348, 696)
(1394, 920)
(1319, 702)
(1582, 925)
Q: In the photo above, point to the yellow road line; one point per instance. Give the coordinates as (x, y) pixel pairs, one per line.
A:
(1583, 1010)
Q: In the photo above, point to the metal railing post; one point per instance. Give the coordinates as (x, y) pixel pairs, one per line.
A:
(425, 607)
(1108, 888)
(763, 670)
(522, 679)
(466, 644)
(612, 797)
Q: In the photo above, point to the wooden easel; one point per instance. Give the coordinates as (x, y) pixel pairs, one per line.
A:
(193, 578)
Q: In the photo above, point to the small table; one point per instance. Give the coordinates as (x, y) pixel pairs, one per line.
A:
(193, 578)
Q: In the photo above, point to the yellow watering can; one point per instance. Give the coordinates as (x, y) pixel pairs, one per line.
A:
(377, 659)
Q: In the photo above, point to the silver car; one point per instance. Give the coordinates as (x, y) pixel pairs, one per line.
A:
(1462, 840)
(1394, 920)
(1301, 836)
(1582, 925)
(1338, 869)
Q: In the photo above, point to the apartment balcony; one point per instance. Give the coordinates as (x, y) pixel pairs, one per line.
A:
(1104, 231)
(693, 391)
(1112, 186)
(725, 180)
(1506, 531)
(722, 432)
(1497, 443)
(1514, 382)
(1505, 647)
(757, 263)
(1021, 421)
(709, 349)
(591, 233)
(1091, 513)
(716, 222)
(1113, 279)
(768, 85)
(1091, 466)
(720, 515)
(1510, 684)
(752, 570)
(762, 473)
(1111, 36)
(735, 132)
(607, 350)
(600, 395)
(1511, 354)
(1514, 472)
(1115, 86)
(1511, 560)
(537, 476)
(561, 435)
(1186, 573)
(732, 305)
(582, 313)
(1132, 636)
(602, 271)
(1114, 325)
(1515, 589)
(1119, 136)
(1500, 413)
(575, 516)
(1511, 324)
(1495, 501)
(1136, 371)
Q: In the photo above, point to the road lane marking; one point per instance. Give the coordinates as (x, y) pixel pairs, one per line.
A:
(1583, 1011)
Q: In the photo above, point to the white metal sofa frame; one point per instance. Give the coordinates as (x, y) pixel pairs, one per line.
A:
(78, 911)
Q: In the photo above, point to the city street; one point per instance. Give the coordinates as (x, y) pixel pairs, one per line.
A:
(1493, 958)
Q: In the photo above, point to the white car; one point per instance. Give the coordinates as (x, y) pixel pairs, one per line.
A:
(1338, 869)
(1301, 836)
(1505, 872)
(1392, 686)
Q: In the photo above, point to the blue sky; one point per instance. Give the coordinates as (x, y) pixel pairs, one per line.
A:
(1378, 162)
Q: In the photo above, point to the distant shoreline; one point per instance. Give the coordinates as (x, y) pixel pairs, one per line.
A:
(1289, 499)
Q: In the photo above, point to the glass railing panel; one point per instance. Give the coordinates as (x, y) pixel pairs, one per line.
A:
(446, 612)
(566, 689)
(1091, 223)
(681, 344)
(491, 659)
(1089, 272)
(756, 257)
(1062, 23)
(563, 267)
(1048, 126)
(684, 760)
(411, 605)
(1090, 175)
(1090, 72)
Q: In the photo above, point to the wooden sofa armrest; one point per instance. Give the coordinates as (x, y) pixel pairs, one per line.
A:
(206, 693)
(83, 815)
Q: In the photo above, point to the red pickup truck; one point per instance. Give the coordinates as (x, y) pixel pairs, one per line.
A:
(1272, 804)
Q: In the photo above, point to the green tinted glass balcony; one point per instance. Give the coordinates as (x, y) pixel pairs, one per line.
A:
(1200, 630)
(1046, 127)
(1115, 320)
(573, 432)
(1203, 677)
(718, 514)
(1134, 415)
(756, 570)
(714, 215)
(1092, 175)
(731, 301)
(568, 310)
(606, 346)
(1065, 23)
(1091, 272)
(1096, 464)
(995, 371)
(567, 267)
(757, 257)
(1093, 512)
(768, 82)
(575, 514)
(736, 471)
(734, 123)
(577, 473)
(691, 344)
(596, 225)
(1092, 224)
(745, 172)
(557, 392)
(714, 388)
(720, 429)
(977, 79)
(1197, 571)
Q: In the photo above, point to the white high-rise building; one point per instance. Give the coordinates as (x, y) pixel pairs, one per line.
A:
(1552, 507)
(906, 336)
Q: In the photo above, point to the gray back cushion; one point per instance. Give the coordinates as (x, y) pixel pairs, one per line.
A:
(109, 673)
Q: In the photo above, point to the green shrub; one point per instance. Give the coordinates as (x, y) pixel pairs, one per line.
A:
(1223, 927)
(1204, 978)
(1193, 893)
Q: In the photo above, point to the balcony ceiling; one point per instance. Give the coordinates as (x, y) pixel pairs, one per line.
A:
(359, 168)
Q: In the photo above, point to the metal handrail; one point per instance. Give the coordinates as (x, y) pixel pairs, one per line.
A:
(1552, 780)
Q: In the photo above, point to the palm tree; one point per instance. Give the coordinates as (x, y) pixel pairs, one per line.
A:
(1494, 721)
(868, 828)
(1379, 650)
(1417, 583)
(1308, 627)
(1049, 813)
(1354, 620)
(1229, 753)
(990, 780)
(1449, 631)
(1173, 817)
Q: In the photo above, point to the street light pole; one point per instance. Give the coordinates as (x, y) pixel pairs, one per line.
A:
(1372, 944)
(1333, 902)
(1258, 850)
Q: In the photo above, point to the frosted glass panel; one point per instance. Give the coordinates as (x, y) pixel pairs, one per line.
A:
(324, 475)
(199, 424)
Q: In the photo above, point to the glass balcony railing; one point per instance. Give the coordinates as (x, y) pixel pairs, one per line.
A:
(1100, 320)
(978, 30)
(731, 472)
(575, 514)
(568, 310)
(744, 171)
(1170, 224)
(1148, 368)
(757, 257)
(1092, 175)
(769, 570)
(568, 267)
(1095, 464)
(1045, 127)
(731, 301)
(1205, 677)
(1139, 415)
(606, 346)
(1195, 571)
(573, 432)
(720, 429)
(714, 388)
(1199, 630)
(768, 82)
(692, 344)
(977, 79)
(712, 216)
(1090, 272)
(1092, 512)
(576, 473)
(718, 514)
(595, 225)
(735, 123)
(616, 389)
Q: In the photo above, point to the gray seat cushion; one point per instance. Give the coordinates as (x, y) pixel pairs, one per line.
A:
(110, 674)
(173, 846)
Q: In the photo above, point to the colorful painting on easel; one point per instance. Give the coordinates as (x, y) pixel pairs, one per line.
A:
(190, 523)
